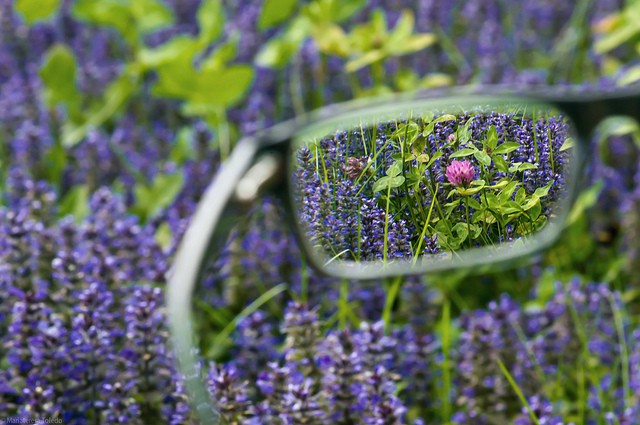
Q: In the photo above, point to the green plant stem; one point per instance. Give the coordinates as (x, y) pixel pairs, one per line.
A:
(377, 73)
(223, 336)
(440, 212)
(386, 227)
(466, 207)
(518, 392)
(423, 234)
(295, 88)
(343, 304)
(355, 85)
(224, 137)
(624, 352)
(392, 294)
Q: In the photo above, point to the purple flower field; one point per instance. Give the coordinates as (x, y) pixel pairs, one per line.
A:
(115, 116)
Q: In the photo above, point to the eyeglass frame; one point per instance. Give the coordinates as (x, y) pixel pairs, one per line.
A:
(257, 165)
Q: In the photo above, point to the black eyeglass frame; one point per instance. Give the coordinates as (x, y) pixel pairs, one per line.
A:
(258, 164)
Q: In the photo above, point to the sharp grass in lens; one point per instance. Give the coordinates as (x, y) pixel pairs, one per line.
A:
(431, 184)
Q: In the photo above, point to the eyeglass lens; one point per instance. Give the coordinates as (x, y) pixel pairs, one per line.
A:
(431, 183)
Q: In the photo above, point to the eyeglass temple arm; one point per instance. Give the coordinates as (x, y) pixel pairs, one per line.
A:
(589, 113)
(202, 236)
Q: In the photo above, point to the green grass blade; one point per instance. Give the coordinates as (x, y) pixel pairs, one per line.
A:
(518, 392)
(219, 340)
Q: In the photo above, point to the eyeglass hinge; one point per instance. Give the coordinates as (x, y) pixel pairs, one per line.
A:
(266, 171)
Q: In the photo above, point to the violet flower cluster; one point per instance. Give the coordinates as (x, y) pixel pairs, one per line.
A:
(84, 334)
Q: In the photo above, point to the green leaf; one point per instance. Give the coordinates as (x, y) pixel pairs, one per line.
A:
(108, 13)
(231, 87)
(113, 100)
(131, 18)
(387, 182)
(476, 231)
(408, 131)
(492, 138)
(278, 51)
(275, 12)
(586, 200)
(535, 211)
(435, 80)
(483, 158)
(510, 207)
(206, 89)
(403, 29)
(469, 191)
(36, 10)
(55, 160)
(616, 126)
(331, 11)
(415, 43)
(442, 118)
(331, 39)
(463, 152)
(58, 74)
(344, 9)
(630, 76)
(424, 158)
(403, 41)
(395, 169)
(418, 146)
(211, 19)
(508, 190)
(541, 192)
(221, 56)
(364, 60)
(521, 195)
(405, 80)
(151, 200)
(183, 149)
(568, 144)
(618, 36)
(464, 132)
(435, 157)
(179, 48)
(500, 164)
(506, 148)
(164, 236)
(473, 203)
(449, 207)
(461, 231)
(531, 202)
(492, 201)
(522, 166)
(484, 216)
(150, 15)
(527, 166)
(275, 53)
(75, 203)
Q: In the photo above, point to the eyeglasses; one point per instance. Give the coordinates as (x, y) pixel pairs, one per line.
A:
(407, 184)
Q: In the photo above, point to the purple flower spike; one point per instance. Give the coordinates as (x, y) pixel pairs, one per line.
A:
(460, 173)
